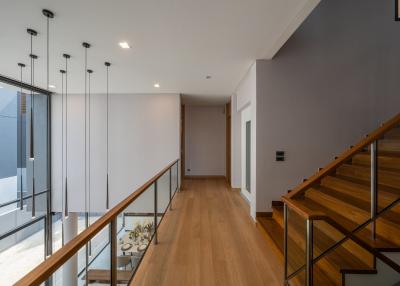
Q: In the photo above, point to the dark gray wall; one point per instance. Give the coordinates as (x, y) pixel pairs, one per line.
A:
(333, 81)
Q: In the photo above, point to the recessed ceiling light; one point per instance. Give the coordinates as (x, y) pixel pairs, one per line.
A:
(52, 86)
(157, 85)
(124, 45)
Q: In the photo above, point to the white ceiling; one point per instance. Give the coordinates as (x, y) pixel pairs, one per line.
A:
(174, 42)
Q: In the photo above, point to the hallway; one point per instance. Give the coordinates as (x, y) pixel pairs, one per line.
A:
(209, 239)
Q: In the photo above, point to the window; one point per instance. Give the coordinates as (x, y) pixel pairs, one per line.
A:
(23, 181)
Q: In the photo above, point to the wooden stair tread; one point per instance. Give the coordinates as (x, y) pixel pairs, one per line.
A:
(355, 214)
(338, 260)
(361, 199)
(357, 190)
(381, 188)
(276, 233)
(385, 178)
(388, 161)
(365, 233)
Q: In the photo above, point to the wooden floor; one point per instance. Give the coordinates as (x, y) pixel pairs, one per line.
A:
(209, 239)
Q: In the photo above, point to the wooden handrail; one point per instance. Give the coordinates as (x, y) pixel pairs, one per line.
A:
(44, 270)
(348, 154)
(302, 210)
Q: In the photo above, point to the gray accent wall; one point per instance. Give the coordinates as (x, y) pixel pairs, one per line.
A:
(336, 79)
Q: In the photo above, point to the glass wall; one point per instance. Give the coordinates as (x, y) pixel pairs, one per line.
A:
(23, 180)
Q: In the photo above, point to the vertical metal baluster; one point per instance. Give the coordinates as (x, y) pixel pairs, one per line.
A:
(285, 243)
(374, 185)
(113, 242)
(170, 188)
(309, 253)
(155, 213)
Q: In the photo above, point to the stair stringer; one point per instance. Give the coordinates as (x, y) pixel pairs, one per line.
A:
(385, 276)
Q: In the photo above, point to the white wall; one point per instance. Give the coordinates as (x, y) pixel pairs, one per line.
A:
(245, 117)
(246, 90)
(144, 138)
(236, 171)
(246, 94)
(205, 140)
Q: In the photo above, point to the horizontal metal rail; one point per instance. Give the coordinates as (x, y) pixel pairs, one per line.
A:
(24, 198)
(22, 226)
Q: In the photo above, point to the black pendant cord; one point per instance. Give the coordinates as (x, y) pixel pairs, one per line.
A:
(32, 33)
(89, 137)
(89, 151)
(62, 140)
(107, 64)
(62, 155)
(49, 15)
(21, 186)
(66, 209)
(86, 46)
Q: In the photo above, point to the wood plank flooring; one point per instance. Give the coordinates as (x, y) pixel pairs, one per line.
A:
(209, 239)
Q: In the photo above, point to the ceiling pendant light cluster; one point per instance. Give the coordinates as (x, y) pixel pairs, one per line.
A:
(65, 199)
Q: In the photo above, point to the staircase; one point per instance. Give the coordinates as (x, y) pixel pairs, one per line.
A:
(339, 226)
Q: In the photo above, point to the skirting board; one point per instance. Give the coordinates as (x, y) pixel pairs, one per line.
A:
(204, 177)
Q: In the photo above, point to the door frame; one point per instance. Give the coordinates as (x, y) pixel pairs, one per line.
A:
(228, 127)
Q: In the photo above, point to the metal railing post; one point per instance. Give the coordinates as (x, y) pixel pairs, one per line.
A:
(113, 243)
(285, 243)
(374, 185)
(170, 189)
(309, 253)
(155, 212)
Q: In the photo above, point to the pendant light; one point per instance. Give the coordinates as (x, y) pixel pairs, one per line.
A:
(89, 71)
(88, 245)
(33, 57)
(67, 57)
(89, 151)
(62, 156)
(107, 64)
(86, 46)
(21, 189)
